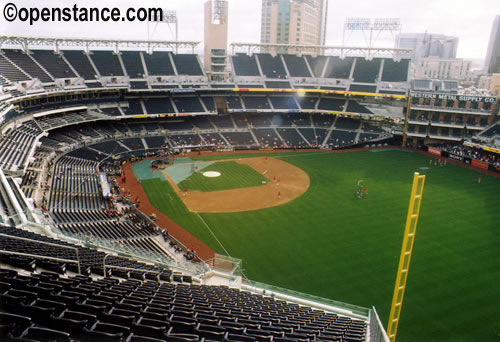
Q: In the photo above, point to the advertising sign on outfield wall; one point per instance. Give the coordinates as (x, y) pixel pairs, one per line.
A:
(480, 164)
(456, 157)
(435, 151)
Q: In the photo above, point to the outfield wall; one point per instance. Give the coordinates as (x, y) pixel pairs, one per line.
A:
(467, 160)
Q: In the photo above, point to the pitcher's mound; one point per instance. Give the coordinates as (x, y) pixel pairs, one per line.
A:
(211, 174)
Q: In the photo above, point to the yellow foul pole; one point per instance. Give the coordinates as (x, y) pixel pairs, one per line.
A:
(404, 260)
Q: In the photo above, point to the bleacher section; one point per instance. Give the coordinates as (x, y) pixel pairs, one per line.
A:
(23, 61)
(188, 104)
(158, 105)
(184, 140)
(133, 63)
(138, 85)
(258, 120)
(79, 61)
(133, 143)
(209, 103)
(134, 107)
(202, 122)
(239, 138)
(272, 67)
(296, 66)
(245, 65)
(395, 71)
(328, 103)
(283, 102)
(355, 107)
(317, 64)
(366, 71)
(341, 138)
(347, 124)
(158, 63)
(363, 88)
(310, 135)
(267, 137)
(292, 138)
(75, 185)
(222, 121)
(10, 72)
(339, 68)
(107, 63)
(255, 102)
(53, 63)
(307, 102)
(177, 125)
(187, 64)
(234, 102)
(492, 131)
(155, 142)
(277, 84)
(213, 139)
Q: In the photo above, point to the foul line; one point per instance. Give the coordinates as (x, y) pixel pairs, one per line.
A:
(211, 232)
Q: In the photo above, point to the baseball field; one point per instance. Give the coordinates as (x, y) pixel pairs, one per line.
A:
(324, 241)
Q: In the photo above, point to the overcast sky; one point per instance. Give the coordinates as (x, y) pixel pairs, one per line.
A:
(471, 21)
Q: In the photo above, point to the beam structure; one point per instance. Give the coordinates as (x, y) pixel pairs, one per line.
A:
(342, 51)
(116, 44)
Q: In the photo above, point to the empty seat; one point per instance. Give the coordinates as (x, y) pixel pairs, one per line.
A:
(182, 337)
(16, 323)
(58, 307)
(43, 334)
(149, 330)
(138, 338)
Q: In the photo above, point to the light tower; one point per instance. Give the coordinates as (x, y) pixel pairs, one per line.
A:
(169, 18)
(371, 30)
(215, 49)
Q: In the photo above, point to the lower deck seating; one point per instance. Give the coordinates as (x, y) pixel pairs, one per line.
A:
(292, 138)
(155, 142)
(213, 139)
(182, 140)
(239, 138)
(341, 138)
(267, 137)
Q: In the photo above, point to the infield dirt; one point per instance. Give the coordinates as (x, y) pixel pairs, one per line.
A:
(287, 182)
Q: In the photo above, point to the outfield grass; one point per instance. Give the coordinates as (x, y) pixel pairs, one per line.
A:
(328, 243)
(233, 176)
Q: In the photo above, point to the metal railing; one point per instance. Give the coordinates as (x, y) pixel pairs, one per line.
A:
(357, 310)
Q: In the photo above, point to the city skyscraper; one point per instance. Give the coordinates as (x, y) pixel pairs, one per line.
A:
(428, 45)
(301, 22)
(492, 63)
